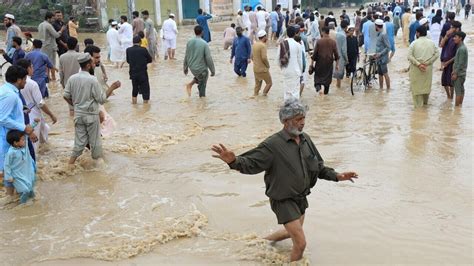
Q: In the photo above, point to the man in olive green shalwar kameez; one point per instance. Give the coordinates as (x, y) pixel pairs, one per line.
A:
(198, 59)
(422, 54)
(85, 94)
(292, 165)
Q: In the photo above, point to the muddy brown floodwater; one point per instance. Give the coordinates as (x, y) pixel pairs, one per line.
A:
(162, 198)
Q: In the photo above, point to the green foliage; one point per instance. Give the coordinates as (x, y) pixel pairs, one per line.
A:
(31, 15)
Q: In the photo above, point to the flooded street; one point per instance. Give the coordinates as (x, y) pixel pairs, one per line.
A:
(162, 198)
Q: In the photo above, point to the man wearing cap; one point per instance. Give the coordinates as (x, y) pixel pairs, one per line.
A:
(170, 33)
(198, 58)
(85, 94)
(293, 69)
(242, 51)
(424, 22)
(261, 66)
(138, 58)
(12, 31)
(48, 35)
(117, 54)
(421, 55)
(382, 49)
(137, 24)
(292, 166)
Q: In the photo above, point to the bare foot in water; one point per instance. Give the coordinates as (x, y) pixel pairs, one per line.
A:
(188, 89)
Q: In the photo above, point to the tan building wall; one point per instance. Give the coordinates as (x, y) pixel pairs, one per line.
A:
(222, 7)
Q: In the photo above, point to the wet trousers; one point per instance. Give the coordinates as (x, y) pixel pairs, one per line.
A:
(87, 131)
(240, 66)
(420, 100)
(201, 80)
(141, 85)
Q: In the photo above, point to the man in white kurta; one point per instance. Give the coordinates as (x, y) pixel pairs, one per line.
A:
(261, 19)
(117, 54)
(35, 102)
(126, 35)
(170, 33)
(293, 71)
(247, 22)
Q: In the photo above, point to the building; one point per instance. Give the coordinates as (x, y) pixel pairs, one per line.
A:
(183, 9)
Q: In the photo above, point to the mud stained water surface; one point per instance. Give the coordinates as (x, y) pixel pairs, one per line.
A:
(161, 198)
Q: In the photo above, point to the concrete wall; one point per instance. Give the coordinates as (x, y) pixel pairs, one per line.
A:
(222, 8)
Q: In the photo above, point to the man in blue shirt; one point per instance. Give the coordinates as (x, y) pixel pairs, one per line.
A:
(242, 51)
(202, 21)
(368, 29)
(382, 49)
(415, 26)
(397, 9)
(11, 113)
(40, 63)
(12, 31)
(17, 55)
(390, 30)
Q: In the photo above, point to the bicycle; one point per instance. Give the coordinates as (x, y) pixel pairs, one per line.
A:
(361, 79)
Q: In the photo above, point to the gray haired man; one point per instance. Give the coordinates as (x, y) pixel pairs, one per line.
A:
(292, 165)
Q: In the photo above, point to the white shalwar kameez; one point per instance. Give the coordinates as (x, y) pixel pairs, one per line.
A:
(34, 100)
(117, 54)
(261, 20)
(170, 32)
(126, 35)
(293, 71)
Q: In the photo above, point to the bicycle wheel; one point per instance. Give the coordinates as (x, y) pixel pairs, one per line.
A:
(372, 75)
(358, 82)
